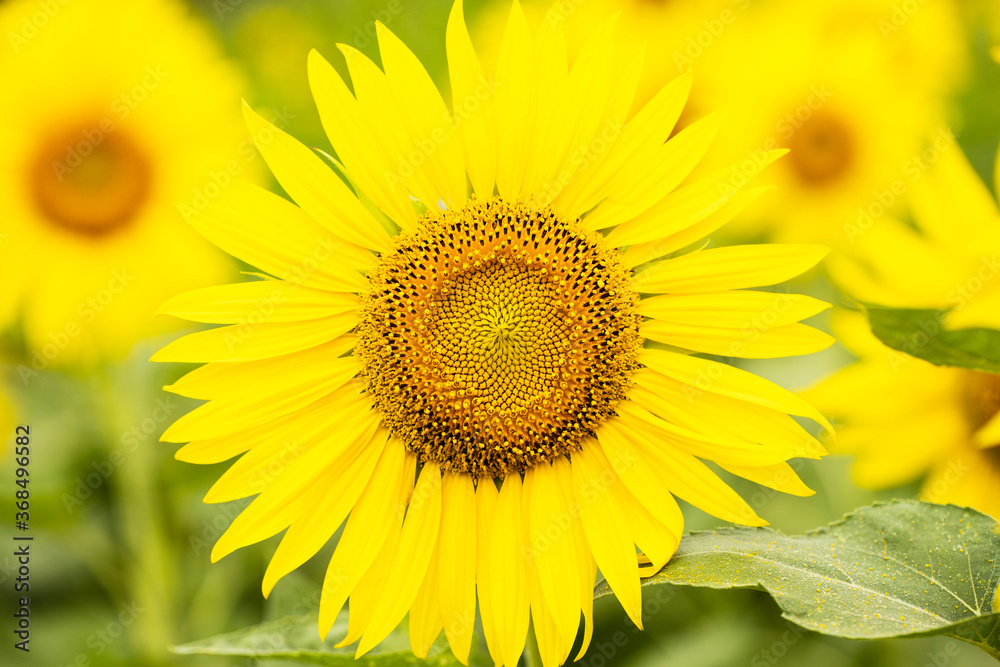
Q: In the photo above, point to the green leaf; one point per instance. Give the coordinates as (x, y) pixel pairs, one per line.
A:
(905, 568)
(295, 638)
(920, 333)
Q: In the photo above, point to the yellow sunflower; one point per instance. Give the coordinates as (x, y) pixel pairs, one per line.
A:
(461, 379)
(116, 111)
(903, 417)
(947, 258)
(852, 89)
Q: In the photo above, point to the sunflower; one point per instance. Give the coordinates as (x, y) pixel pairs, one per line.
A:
(929, 419)
(856, 124)
(904, 419)
(103, 140)
(945, 258)
(464, 381)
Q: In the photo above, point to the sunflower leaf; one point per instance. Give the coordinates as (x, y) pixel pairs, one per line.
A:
(295, 638)
(920, 333)
(899, 569)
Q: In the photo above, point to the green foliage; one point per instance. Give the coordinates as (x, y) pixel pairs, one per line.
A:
(295, 638)
(901, 569)
(920, 333)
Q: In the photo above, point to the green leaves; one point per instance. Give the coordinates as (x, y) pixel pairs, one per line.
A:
(901, 569)
(295, 638)
(921, 333)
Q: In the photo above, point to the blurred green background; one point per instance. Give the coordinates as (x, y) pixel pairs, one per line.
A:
(120, 559)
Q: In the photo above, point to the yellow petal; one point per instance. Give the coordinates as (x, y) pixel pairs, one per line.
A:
(377, 515)
(981, 311)
(549, 98)
(262, 440)
(316, 526)
(276, 236)
(472, 104)
(416, 546)
(314, 186)
(640, 481)
(234, 413)
(685, 476)
(515, 104)
(989, 434)
(764, 441)
(486, 501)
(245, 342)
(376, 103)
(732, 267)
(729, 381)
(686, 206)
(357, 144)
(457, 558)
(747, 342)
(370, 588)
(778, 476)
(640, 185)
(733, 309)
(552, 549)
(257, 302)
(425, 116)
(605, 525)
(297, 487)
(723, 419)
(425, 615)
(640, 253)
(641, 137)
(584, 561)
(576, 120)
(508, 572)
(552, 647)
(234, 379)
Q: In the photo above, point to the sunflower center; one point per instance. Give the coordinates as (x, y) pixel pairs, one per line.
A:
(90, 180)
(982, 398)
(982, 403)
(498, 336)
(821, 149)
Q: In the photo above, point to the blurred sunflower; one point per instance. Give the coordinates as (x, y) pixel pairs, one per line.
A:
(463, 380)
(855, 123)
(946, 259)
(122, 109)
(903, 417)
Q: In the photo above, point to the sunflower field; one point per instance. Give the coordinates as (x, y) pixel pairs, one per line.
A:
(500, 333)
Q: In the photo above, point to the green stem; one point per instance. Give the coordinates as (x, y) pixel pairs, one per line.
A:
(137, 511)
